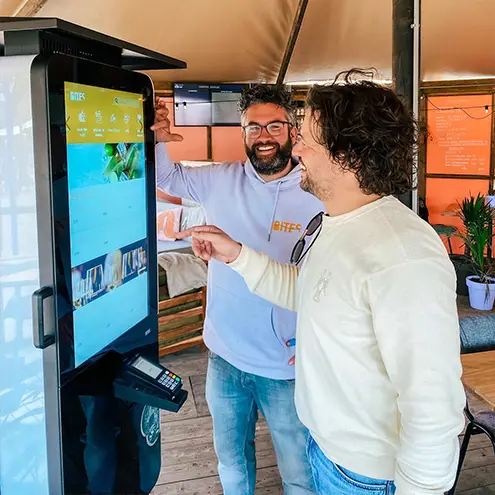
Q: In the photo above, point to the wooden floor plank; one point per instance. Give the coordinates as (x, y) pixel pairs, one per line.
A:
(270, 490)
(476, 478)
(202, 448)
(198, 385)
(184, 431)
(479, 457)
(484, 490)
(266, 478)
(206, 466)
(193, 428)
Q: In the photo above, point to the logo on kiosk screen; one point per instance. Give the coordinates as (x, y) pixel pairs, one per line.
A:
(150, 424)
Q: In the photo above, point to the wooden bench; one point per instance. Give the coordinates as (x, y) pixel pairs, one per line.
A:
(180, 322)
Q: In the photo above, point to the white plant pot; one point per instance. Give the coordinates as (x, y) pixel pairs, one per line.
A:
(481, 296)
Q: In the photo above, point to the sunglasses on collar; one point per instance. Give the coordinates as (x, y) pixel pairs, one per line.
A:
(314, 225)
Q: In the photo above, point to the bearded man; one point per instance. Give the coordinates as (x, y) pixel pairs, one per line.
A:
(250, 366)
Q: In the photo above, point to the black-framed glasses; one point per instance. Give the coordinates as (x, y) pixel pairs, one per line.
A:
(275, 128)
(314, 225)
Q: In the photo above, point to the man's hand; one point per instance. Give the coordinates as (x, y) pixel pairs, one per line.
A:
(210, 242)
(162, 124)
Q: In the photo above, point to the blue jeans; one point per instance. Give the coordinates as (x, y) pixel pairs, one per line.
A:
(331, 479)
(234, 398)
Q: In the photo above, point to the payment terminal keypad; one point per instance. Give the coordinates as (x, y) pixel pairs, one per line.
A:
(169, 380)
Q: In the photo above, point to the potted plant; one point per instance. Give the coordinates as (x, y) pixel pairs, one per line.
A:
(477, 216)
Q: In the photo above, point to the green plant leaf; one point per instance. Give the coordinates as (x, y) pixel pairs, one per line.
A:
(477, 218)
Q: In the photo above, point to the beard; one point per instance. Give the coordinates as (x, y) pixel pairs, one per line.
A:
(270, 165)
(313, 187)
(307, 184)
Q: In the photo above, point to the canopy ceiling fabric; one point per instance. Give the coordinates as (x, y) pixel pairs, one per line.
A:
(245, 40)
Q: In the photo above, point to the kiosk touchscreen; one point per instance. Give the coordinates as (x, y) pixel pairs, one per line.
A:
(107, 214)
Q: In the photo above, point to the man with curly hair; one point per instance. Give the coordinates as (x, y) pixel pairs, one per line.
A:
(250, 365)
(378, 371)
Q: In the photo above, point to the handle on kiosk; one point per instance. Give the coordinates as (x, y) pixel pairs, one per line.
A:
(40, 340)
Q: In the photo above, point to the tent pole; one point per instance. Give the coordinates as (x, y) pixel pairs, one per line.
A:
(29, 8)
(291, 42)
(406, 67)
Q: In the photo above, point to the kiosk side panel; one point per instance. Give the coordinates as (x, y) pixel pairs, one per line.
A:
(23, 437)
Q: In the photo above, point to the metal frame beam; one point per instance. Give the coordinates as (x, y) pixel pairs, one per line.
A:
(291, 42)
(29, 8)
(406, 67)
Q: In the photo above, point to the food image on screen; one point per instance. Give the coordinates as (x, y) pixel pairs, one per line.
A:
(124, 161)
(107, 215)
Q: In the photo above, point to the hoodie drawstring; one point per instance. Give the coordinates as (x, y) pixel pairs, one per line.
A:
(274, 210)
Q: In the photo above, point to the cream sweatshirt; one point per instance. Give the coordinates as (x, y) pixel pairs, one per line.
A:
(378, 371)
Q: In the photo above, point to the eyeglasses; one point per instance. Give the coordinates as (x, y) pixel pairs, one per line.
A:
(313, 226)
(275, 129)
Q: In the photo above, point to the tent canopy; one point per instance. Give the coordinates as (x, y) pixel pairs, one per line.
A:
(245, 40)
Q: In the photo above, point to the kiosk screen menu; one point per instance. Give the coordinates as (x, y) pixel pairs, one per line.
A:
(107, 214)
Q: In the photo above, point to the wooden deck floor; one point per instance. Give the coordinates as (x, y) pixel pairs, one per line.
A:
(189, 464)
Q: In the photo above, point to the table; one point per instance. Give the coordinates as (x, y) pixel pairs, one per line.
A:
(479, 375)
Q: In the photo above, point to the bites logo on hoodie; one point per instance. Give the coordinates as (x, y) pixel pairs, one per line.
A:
(289, 227)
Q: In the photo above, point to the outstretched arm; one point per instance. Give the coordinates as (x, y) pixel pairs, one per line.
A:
(173, 178)
(276, 282)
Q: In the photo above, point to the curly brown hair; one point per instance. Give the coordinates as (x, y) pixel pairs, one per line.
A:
(277, 94)
(367, 130)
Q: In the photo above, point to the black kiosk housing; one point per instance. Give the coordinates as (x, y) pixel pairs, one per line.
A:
(96, 311)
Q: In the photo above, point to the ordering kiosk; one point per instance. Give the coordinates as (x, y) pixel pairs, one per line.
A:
(81, 386)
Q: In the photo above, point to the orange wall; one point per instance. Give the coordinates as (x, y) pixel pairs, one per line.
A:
(459, 143)
(441, 193)
(227, 144)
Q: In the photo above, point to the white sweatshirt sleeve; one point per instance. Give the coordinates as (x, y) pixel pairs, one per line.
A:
(414, 312)
(273, 281)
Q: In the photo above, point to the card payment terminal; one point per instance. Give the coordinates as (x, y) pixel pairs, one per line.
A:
(163, 377)
(143, 381)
